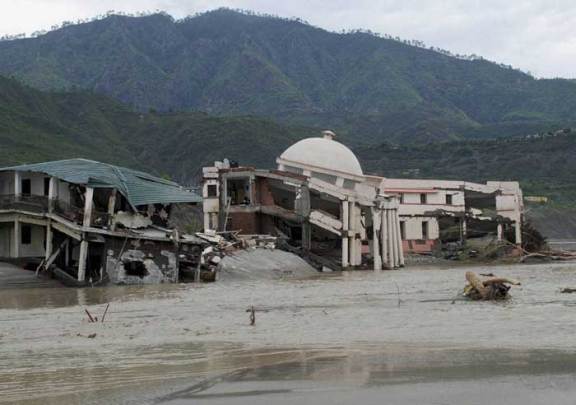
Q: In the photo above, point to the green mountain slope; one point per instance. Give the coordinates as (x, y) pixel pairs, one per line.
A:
(224, 62)
(37, 126)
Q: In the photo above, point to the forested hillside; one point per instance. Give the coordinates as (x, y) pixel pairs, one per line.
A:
(37, 126)
(543, 163)
(370, 89)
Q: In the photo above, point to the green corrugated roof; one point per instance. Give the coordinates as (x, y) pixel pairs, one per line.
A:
(139, 188)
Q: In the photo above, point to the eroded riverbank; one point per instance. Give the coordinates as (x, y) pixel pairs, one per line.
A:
(360, 330)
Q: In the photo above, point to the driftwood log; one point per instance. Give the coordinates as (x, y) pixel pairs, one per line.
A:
(494, 288)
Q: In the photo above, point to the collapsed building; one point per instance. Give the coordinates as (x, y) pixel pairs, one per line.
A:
(436, 212)
(95, 222)
(320, 201)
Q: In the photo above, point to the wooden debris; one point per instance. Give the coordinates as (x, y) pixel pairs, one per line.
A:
(105, 312)
(494, 288)
(252, 315)
(558, 255)
(568, 290)
(90, 317)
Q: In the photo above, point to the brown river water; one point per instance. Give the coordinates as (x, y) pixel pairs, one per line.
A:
(395, 337)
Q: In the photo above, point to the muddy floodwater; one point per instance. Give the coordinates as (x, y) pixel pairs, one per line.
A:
(395, 337)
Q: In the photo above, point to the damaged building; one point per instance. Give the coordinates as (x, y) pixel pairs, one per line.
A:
(433, 212)
(318, 200)
(92, 222)
(321, 202)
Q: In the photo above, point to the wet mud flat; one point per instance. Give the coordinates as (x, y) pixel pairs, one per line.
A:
(362, 336)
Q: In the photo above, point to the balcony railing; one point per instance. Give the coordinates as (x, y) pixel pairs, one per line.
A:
(41, 205)
(31, 203)
(71, 212)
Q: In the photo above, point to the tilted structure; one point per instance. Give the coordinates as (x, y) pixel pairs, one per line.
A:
(93, 221)
(318, 198)
(321, 201)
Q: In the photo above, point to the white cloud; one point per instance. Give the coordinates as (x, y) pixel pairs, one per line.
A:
(534, 35)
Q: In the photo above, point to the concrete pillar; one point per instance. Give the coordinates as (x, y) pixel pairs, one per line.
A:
(396, 237)
(67, 255)
(17, 185)
(82, 260)
(16, 239)
(518, 232)
(401, 261)
(306, 236)
(112, 206)
(358, 240)
(252, 191)
(345, 252)
(499, 232)
(376, 219)
(355, 243)
(112, 202)
(384, 238)
(345, 228)
(88, 204)
(391, 240)
(463, 229)
(352, 234)
(52, 193)
(49, 240)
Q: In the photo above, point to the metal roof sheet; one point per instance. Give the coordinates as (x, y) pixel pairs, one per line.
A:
(139, 188)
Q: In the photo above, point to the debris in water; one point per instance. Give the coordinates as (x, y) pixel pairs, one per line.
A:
(105, 312)
(494, 288)
(252, 315)
(568, 290)
(90, 317)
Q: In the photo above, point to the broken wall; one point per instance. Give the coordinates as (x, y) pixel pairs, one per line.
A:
(133, 261)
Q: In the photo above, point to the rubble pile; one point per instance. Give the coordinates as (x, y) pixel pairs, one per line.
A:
(246, 256)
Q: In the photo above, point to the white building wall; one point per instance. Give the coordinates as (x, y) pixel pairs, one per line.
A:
(63, 191)
(37, 246)
(413, 227)
(36, 185)
(36, 182)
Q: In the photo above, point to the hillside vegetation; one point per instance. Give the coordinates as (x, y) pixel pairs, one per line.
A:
(543, 163)
(224, 62)
(38, 126)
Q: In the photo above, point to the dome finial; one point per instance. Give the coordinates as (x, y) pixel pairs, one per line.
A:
(327, 134)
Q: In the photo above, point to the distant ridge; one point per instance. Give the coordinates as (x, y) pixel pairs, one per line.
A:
(370, 88)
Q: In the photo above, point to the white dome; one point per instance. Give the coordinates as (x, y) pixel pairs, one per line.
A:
(323, 153)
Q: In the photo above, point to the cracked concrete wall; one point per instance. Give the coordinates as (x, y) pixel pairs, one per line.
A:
(158, 260)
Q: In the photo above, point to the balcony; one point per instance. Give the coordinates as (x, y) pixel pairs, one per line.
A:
(31, 203)
(42, 205)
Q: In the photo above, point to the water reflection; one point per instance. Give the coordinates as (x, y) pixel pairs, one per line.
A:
(185, 373)
(30, 298)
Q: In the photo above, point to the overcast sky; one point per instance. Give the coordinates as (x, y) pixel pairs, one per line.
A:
(538, 36)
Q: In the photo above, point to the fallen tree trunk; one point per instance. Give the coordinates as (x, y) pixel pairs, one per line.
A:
(494, 288)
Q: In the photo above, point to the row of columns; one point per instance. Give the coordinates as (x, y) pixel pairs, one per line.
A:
(351, 234)
(386, 237)
(386, 240)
